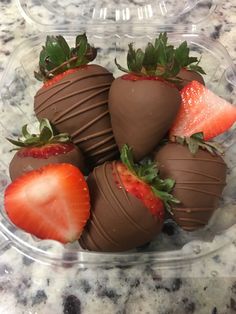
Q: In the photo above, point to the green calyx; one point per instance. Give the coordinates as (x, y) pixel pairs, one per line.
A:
(196, 141)
(160, 59)
(147, 172)
(57, 57)
(45, 136)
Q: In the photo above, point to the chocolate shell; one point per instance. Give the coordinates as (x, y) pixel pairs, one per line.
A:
(118, 220)
(20, 165)
(77, 105)
(200, 180)
(188, 76)
(141, 112)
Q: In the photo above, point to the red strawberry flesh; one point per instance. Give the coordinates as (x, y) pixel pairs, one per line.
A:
(59, 77)
(202, 111)
(139, 189)
(134, 77)
(46, 151)
(50, 203)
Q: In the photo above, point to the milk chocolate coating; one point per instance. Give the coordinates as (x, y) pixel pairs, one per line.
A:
(189, 76)
(141, 113)
(199, 183)
(118, 221)
(20, 165)
(77, 105)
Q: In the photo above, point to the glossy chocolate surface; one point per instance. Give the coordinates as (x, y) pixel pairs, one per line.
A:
(141, 113)
(199, 184)
(118, 221)
(77, 105)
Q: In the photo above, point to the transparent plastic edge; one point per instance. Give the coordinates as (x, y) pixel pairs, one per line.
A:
(162, 260)
(90, 23)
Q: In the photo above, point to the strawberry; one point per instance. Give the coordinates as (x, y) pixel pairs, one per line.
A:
(127, 204)
(144, 103)
(51, 202)
(138, 188)
(202, 111)
(200, 176)
(74, 96)
(37, 150)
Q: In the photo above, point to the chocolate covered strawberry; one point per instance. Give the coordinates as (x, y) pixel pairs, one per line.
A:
(36, 150)
(144, 102)
(74, 96)
(127, 205)
(199, 173)
(51, 202)
(202, 111)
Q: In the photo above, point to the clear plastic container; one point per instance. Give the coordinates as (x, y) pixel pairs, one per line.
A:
(70, 15)
(18, 87)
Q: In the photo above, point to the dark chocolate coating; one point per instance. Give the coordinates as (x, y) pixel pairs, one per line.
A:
(141, 113)
(200, 180)
(118, 220)
(189, 76)
(77, 105)
(20, 165)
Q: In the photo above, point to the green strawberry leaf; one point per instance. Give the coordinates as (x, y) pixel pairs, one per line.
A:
(131, 59)
(150, 59)
(56, 56)
(42, 56)
(182, 53)
(198, 136)
(64, 46)
(55, 53)
(38, 76)
(81, 49)
(127, 158)
(45, 136)
(120, 67)
(196, 68)
(25, 132)
(45, 123)
(196, 141)
(61, 138)
(139, 60)
(161, 59)
(16, 143)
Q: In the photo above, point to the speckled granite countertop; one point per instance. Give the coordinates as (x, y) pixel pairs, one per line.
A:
(206, 287)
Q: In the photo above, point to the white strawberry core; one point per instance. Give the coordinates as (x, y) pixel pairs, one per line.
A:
(42, 190)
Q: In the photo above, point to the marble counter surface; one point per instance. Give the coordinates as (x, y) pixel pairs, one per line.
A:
(205, 287)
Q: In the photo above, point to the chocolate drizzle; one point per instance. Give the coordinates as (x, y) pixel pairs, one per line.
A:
(199, 179)
(118, 220)
(78, 105)
(20, 165)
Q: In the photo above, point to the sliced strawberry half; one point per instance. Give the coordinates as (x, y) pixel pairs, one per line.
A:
(51, 202)
(202, 111)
